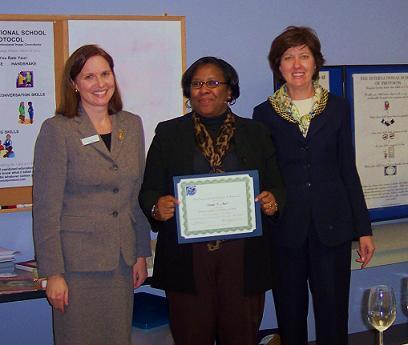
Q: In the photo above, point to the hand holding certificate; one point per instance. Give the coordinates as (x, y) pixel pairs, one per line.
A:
(217, 206)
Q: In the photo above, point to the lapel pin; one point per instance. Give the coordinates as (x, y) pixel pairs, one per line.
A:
(121, 134)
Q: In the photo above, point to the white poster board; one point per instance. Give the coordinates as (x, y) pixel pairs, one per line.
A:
(381, 139)
(148, 58)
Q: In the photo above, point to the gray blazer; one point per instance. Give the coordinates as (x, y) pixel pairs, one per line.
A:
(85, 197)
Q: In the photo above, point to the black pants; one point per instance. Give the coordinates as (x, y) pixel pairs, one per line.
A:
(327, 272)
(219, 310)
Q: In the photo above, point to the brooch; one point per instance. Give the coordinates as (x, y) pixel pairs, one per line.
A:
(121, 134)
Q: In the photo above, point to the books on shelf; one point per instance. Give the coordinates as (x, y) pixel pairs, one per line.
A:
(30, 266)
(7, 257)
(19, 283)
(7, 268)
(18, 277)
(7, 254)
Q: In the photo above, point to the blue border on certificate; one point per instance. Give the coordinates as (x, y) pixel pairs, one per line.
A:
(256, 232)
(388, 212)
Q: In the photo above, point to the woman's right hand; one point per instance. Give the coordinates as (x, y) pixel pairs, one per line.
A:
(57, 292)
(165, 207)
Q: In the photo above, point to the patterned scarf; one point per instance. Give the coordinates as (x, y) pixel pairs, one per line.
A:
(214, 153)
(285, 108)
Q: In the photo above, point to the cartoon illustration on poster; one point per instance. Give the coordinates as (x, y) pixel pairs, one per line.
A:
(27, 95)
(381, 137)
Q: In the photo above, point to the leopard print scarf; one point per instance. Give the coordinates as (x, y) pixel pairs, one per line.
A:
(214, 153)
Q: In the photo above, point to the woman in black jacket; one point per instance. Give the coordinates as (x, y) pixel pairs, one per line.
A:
(214, 291)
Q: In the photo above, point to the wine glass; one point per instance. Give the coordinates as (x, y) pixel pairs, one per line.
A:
(381, 309)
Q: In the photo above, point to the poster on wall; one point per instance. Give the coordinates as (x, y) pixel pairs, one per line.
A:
(380, 106)
(324, 77)
(148, 64)
(27, 95)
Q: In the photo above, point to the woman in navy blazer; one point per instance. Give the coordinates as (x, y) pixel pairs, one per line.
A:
(325, 208)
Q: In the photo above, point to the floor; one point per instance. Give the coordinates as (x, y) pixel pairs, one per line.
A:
(395, 335)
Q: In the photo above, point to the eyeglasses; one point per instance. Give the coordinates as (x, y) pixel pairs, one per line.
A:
(212, 84)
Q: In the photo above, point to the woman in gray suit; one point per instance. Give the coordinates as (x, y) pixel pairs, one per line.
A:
(90, 235)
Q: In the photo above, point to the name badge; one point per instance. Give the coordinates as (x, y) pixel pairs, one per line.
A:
(90, 140)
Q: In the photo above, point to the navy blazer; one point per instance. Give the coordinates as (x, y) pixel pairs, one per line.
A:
(171, 154)
(320, 175)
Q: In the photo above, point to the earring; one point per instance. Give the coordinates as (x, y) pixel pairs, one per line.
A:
(76, 90)
(188, 103)
(230, 102)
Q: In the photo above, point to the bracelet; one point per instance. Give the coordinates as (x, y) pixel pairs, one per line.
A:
(153, 212)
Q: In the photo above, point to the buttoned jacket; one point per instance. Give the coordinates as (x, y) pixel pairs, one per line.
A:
(85, 208)
(320, 176)
(172, 154)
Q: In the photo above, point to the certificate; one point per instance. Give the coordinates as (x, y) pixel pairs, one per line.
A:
(217, 206)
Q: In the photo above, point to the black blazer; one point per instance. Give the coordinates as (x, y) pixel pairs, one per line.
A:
(320, 176)
(171, 154)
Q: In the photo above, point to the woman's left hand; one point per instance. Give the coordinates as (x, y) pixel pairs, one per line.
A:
(139, 272)
(365, 250)
(268, 203)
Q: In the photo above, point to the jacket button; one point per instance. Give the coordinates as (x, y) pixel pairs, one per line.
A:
(116, 190)
(115, 213)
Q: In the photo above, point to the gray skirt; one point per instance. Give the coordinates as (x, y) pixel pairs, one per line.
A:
(99, 311)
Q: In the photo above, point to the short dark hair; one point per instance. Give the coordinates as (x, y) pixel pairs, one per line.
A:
(230, 75)
(294, 36)
(73, 66)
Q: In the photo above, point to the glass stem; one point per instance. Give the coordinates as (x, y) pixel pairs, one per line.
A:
(380, 338)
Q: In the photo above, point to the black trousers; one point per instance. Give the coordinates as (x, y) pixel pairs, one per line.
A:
(326, 271)
(219, 309)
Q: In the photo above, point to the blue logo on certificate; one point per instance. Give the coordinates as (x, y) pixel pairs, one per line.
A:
(191, 189)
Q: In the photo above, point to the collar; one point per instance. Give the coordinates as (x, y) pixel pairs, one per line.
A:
(285, 108)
